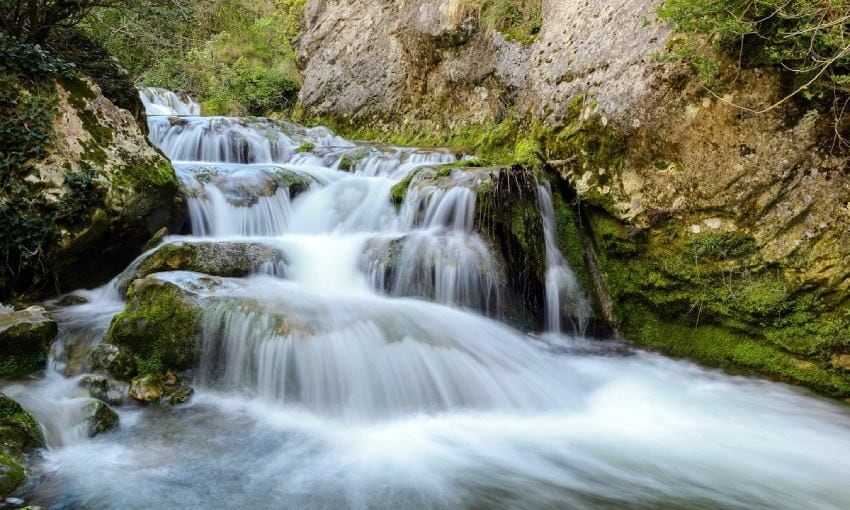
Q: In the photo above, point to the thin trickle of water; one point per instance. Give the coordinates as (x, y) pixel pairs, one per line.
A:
(564, 296)
(360, 369)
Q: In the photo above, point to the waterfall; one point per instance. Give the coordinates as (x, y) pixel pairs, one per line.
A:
(563, 293)
(372, 369)
(164, 102)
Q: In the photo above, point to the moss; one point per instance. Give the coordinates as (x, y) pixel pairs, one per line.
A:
(19, 431)
(306, 147)
(399, 191)
(12, 475)
(22, 364)
(710, 298)
(159, 327)
(349, 160)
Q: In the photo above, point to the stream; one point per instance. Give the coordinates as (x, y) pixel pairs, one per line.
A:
(397, 383)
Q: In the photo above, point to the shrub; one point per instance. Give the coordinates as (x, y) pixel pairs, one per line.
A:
(807, 40)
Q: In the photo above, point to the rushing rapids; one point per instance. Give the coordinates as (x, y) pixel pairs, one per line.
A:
(368, 369)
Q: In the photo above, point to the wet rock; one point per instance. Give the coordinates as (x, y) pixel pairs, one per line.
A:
(100, 418)
(19, 434)
(179, 396)
(161, 325)
(12, 475)
(230, 259)
(72, 300)
(114, 360)
(102, 388)
(147, 389)
(25, 337)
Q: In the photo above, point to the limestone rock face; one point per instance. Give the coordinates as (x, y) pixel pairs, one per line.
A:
(367, 59)
(114, 190)
(25, 337)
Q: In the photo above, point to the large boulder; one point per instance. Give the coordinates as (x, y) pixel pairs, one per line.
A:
(90, 194)
(25, 338)
(19, 434)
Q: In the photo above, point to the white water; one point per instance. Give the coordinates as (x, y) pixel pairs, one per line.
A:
(562, 288)
(331, 388)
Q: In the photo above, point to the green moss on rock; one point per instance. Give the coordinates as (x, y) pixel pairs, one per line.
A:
(159, 326)
(710, 298)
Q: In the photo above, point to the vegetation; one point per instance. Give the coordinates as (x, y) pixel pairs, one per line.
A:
(27, 226)
(234, 57)
(32, 21)
(808, 41)
(518, 20)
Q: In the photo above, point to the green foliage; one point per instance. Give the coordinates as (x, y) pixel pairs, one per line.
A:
(32, 20)
(518, 20)
(807, 40)
(233, 57)
(27, 227)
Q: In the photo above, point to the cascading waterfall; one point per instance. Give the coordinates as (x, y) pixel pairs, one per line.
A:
(369, 372)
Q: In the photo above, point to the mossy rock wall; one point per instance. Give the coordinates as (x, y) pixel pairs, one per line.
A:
(91, 195)
(712, 298)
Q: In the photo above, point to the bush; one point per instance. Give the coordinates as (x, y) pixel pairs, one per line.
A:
(807, 40)
(518, 20)
(32, 20)
(234, 57)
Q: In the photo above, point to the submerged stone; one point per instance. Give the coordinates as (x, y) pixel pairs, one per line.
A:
(25, 337)
(72, 300)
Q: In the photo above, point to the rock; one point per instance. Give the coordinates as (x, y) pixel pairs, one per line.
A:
(160, 326)
(102, 388)
(72, 300)
(12, 475)
(19, 434)
(228, 259)
(100, 418)
(147, 389)
(25, 337)
(180, 396)
(114, 360)
(110, 188)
